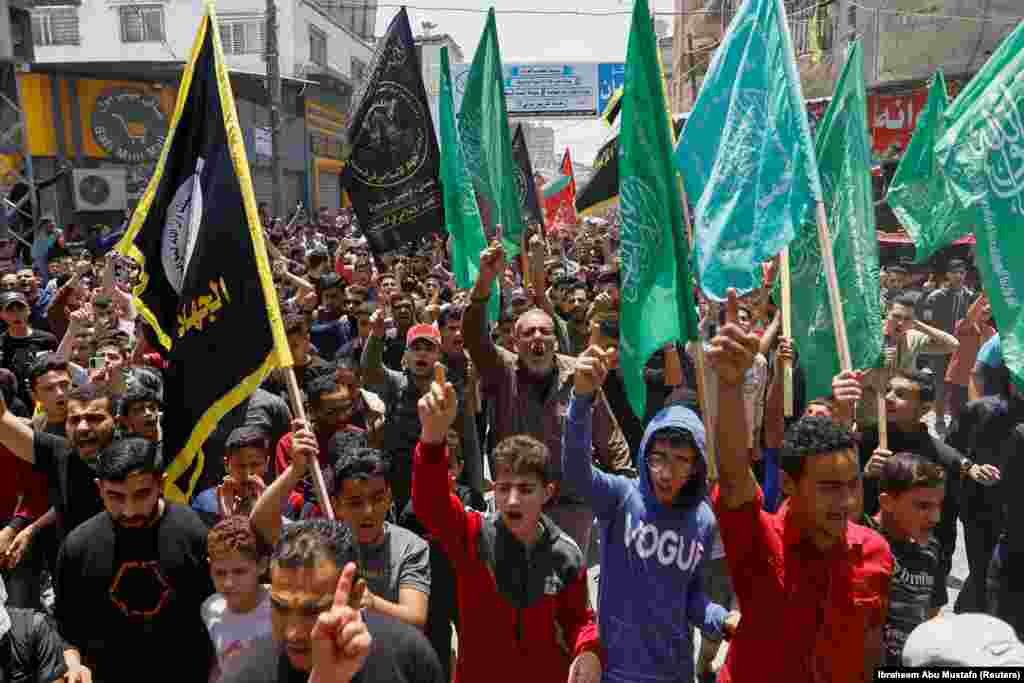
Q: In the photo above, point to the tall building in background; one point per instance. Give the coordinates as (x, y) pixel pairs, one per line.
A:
(428, 50)
(358, 15)
(700, 24)
(907, 40)
(904, 41)
(540, 141)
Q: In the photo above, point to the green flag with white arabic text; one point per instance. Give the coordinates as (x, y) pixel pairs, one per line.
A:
(844, 163)
(982, 161)
(487, 141)
(917, 194)
(462, 215)
(657, 300)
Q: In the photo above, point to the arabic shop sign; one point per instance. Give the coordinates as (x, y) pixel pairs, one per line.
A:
(129, 125)
(550, 90)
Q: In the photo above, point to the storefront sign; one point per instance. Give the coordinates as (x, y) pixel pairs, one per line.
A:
(129, 125)
(326, 128)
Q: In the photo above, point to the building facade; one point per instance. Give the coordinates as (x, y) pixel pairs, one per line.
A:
(101, 91)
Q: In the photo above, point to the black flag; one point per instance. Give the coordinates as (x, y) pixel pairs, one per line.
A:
(206, 284)
(392, 174)
(603, 186)
(529, 203)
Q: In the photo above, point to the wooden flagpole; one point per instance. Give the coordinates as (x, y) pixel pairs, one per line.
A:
(836, 301)
(299, 410)
(785, 285)
(709, 440)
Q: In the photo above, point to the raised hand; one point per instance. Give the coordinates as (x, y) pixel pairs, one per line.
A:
(591, 371)
(847, 388)
(304, 446)
(873, 468)
(492, 263)
(586, 668)
(340, 640)
(437, 408)
(378, 323)
(732, 350)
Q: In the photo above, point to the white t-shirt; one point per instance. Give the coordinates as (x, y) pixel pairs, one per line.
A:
(232, 633)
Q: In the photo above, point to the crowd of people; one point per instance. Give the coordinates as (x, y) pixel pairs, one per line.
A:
(478, 468)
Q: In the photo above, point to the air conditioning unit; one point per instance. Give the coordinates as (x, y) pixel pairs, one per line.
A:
(100, 189)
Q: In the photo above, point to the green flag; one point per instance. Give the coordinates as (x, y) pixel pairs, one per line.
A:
(461, 213)
(657, 300)
(917, 193)
(746, 154)
(487, 142)
(981, 156)
(844, 162)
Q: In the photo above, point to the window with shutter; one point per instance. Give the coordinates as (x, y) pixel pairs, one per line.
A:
(142, 23)
(55, 26)
(317, 46)
(40, 32)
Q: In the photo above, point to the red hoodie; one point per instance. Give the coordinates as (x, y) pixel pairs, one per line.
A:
(517, 616)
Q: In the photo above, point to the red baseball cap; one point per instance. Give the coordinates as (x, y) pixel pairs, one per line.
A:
(423, 331)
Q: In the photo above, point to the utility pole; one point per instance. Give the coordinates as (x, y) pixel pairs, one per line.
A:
(274, 93)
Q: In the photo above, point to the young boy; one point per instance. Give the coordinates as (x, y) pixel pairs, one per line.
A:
(239, 612)
(655, 532)
(443, 607)
(246, 456)
(912, 489)
(394, 561)
(522, 581)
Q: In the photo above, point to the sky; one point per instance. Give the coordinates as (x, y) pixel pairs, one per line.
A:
(537, 38)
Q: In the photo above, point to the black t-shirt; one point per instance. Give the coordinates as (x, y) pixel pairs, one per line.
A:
(72, 483)
(913, 582)
(126, 596)
(31, 651)
(19, 354)
(400, 654)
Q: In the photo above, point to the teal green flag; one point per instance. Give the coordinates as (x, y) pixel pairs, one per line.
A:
(844, 161)
(461, 213)
(917, 194)
(981, 156)
(746, 154)
(657, 300)
(487, 141)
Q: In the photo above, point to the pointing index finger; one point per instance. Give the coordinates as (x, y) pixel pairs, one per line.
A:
(732, 307)
(341, 593)
(440, 376)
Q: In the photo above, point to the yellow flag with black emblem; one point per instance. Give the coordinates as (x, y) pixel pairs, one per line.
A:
(206, 285)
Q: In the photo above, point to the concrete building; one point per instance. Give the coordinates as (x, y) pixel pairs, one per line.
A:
(540, 141)
(428, 49)
(700, 24)
(904, 41)
(907, 40)
(100, 62)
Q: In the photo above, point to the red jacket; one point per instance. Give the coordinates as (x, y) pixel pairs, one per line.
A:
(18, 477)
(508, 627)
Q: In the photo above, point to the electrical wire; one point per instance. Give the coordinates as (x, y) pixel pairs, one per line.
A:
(544, 12)
(929, 15)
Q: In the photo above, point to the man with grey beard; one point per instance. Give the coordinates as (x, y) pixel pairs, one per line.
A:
(531, 390)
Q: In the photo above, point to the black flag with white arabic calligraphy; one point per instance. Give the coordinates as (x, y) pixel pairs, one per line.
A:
(206, 284)
(392, 174)
(529, 203)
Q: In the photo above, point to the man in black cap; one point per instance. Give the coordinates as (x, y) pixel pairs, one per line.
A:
(21, 343)
(944, 308)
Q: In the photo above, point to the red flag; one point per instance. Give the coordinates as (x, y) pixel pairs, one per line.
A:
(560, 197)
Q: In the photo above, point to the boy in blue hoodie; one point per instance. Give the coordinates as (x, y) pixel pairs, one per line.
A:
(654, 534)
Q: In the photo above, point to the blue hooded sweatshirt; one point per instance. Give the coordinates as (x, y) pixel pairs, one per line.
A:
(651, 590)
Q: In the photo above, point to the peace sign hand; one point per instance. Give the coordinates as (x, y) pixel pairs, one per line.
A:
(340, 639)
